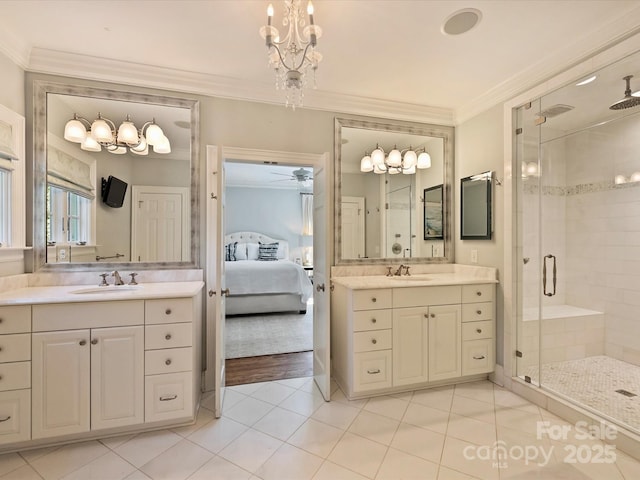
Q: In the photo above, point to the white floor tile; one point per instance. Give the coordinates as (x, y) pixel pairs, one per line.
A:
(471, 430)
(204, 416)
(482, 391)
(439, 398)
(388, 406)
(507, 398)
(138, 475)
(106, 467)
(338, 396)
(248, 411)
(629, 467)
(518, 419)
(303, 403)
(190, 458)
(32, 455)
(114, 442)
(250, 450)
(463, 456)
(220, 469)
(10, 462)
(295, 382)
(331, 471)
(447, 474)
(336, 414)
(217, 434)
(468, 407)
(291, 463)
(374, 427)
(146, 446)
(273, 393)
(398, 464)
(419, 442)
(231, 398)
(66, 459)
(358, 454)
(280, 423)
(316, 437)
(427, 417)
(246, 389)
(26, 472)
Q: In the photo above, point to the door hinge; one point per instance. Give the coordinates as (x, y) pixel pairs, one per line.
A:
(527, 106)
(540, 120)
(518, 354)
(386, 206)
(518, 131)
(332, 287)
(527, 378)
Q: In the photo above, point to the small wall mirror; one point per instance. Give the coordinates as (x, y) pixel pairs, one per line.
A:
(475, 207)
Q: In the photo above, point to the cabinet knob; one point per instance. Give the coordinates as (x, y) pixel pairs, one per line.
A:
(479, 330)
(374, 300)
(83, 343)
(167, 336)
(94, 341)
(373, 320)
(167, 361)
(1, 320)
(479, 293)
(479, 312)
(433, 315)
(374, 341)
(167, 311)
(426, 315)
(0, 377)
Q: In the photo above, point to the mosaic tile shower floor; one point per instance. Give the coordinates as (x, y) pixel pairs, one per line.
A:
(593, 382)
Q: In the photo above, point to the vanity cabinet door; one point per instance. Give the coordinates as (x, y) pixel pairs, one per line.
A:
(60, 383)
(410, 345)
(117, 376)
(445, 337)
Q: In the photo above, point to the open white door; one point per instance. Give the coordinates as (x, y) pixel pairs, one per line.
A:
(321, 271)
(215, 354)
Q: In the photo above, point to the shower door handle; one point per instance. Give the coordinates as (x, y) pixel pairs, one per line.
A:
(544, 275)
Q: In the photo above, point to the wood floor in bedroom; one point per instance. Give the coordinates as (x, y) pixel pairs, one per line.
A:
(267, 368)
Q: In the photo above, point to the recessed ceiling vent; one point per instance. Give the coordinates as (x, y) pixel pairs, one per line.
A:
(555, 110)
(461, 21)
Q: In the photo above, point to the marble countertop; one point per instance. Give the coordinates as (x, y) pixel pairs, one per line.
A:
(414, 280)
(93, 293)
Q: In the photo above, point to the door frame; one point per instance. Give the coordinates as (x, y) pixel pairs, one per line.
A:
(259, 156)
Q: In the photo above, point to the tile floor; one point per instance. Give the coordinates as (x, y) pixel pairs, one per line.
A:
(284, 430)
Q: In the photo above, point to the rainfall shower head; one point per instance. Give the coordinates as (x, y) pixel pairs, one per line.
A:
(629, 100)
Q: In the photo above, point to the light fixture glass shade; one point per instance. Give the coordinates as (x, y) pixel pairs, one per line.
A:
(379, 169)
(424, 160)
(141, 147)
(128, 133)
(619, 179)
(394, 170)
(162, 146)
(366, 164)
(154, 134)
(90, 145)
(532, 168)
(409, 171)
(395, 158)
(101, 131)
(410, 159)
(635, 177)
(75, 131)
(118, 150)
(377, 157)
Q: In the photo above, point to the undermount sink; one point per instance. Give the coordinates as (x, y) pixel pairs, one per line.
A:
(108, 289)
(412, 278)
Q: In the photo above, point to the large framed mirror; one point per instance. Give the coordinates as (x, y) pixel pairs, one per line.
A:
(107, 204)
(380, 214)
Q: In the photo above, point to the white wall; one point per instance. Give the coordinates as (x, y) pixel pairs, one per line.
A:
(480, 148)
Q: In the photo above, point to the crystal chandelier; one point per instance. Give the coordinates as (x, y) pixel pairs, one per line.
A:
(103, 133)
(397, 161)
(293, 56)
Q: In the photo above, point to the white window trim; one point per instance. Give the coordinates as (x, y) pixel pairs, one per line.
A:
(18, 199)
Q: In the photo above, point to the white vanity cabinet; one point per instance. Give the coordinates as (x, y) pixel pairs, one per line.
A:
(394, 339)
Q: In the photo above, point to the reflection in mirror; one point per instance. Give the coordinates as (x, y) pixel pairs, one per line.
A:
(475, 207)
(381, 212)
(433, 212)
(104, 203)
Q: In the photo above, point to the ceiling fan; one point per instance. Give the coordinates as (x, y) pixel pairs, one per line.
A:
(300, 175)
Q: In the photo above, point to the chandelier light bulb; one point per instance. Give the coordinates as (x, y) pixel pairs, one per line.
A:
(395, 158)
(101, 131)
(635, 177)
(377, 156)
(619, 179)
(74, 130)
(410, 159)
(128, 133)
(366, 164)
(424, 160)
(90, 145)
(154, 134)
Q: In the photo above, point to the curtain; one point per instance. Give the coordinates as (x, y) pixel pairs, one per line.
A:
(69, 173)
(307, 213)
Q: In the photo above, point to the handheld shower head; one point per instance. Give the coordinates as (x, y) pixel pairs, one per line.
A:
(629, 100)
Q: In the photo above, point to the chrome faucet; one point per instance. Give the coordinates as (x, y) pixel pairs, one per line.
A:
(117, 277)
(399, 271)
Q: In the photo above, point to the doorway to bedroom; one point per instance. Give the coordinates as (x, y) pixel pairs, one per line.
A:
(268, 239)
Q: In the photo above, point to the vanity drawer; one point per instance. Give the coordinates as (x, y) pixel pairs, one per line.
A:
(472, 312)
(371, 299)
(15, 376)
(477, 330)
(372, 370)
(15, 348)
(168, 396)
(371, 320)
(478, 293)
(169, 310)
(15, 319)
(74, 316)
(169, 360)
(420, 296)
(477, 356)
(372, 340)
(167, 335)
(15, 416)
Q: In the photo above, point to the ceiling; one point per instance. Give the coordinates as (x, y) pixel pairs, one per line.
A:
(385, 57)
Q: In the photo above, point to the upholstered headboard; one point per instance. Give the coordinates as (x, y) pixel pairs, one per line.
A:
(255, 237)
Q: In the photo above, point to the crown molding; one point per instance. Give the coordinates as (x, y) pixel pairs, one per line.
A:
(116, 71)
(570, 59)
(14, 48)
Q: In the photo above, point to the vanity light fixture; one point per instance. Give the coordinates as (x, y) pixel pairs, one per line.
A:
(102, 132)
(396, 161)
(296, 53)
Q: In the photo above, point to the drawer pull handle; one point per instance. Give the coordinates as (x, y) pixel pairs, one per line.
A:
(167, 311)
(83, 343)
(374, 341)
(479, 312)
(373, 320)
(374, 300)
(478, 357)
(167, 336)
(373, 372)
(479, 293)
(479, 330)
(168, 398)
(167, 361)
(8, 417)
(94, 341)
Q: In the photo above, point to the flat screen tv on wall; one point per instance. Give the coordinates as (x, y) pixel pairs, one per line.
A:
(113, 191)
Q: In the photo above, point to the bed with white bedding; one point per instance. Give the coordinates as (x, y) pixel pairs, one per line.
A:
(260, 285)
